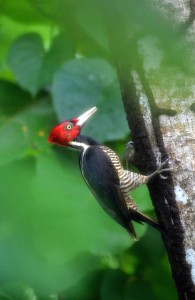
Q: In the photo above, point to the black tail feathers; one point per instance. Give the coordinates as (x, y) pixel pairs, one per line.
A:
(141, 218)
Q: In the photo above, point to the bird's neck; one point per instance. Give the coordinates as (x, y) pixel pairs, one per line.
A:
(83, 143)
(78, 145)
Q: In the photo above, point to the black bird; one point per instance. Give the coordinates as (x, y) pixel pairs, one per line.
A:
(104, 173)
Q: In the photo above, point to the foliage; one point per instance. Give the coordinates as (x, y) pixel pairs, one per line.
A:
(55, 240)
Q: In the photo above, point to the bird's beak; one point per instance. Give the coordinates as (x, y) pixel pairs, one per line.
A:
(84, 117)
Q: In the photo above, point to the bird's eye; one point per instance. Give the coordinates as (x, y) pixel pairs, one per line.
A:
(69, 126)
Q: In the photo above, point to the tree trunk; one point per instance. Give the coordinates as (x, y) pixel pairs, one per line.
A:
(160, 108)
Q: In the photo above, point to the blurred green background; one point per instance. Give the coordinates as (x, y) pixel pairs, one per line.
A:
(55, 240)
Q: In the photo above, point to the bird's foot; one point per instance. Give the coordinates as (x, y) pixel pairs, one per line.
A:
(130, 145)
(160, 170)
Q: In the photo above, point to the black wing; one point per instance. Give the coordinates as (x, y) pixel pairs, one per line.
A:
(102, 179)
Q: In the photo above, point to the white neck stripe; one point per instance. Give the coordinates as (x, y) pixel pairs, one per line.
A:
(79, 145)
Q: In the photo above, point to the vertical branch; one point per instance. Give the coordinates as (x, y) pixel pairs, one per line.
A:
(122, 45)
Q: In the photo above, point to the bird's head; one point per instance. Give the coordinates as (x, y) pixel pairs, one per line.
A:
(67, 131)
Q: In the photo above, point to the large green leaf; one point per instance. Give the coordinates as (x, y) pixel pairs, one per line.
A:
(24, 123)
(90, 20)
(23, 11)
(12, 99)
(10, 32)
(83, 83)
(61, 50)
(25, 133)
(33, 67)
(25, 58)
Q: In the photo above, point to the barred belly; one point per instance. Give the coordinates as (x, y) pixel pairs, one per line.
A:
(128, 180)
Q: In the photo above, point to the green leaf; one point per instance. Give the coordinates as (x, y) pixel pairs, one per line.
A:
(23, 11)
(61, 50)
(25, 133)
(10, 31)
(55, 10)
(84, 83)
(91, 21)
(25, 58)
(12, 99)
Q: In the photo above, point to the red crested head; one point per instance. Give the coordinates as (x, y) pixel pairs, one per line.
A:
(67, 131)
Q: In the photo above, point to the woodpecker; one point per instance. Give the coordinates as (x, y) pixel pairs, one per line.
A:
(104, 174)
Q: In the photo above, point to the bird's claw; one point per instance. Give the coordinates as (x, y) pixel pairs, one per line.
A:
(130, 145)
(163, 177)
(161, 170)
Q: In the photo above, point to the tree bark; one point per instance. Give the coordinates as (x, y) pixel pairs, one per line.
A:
(160, 109)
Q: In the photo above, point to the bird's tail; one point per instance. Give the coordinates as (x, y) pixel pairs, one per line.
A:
(140, 217)
(130, 228)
